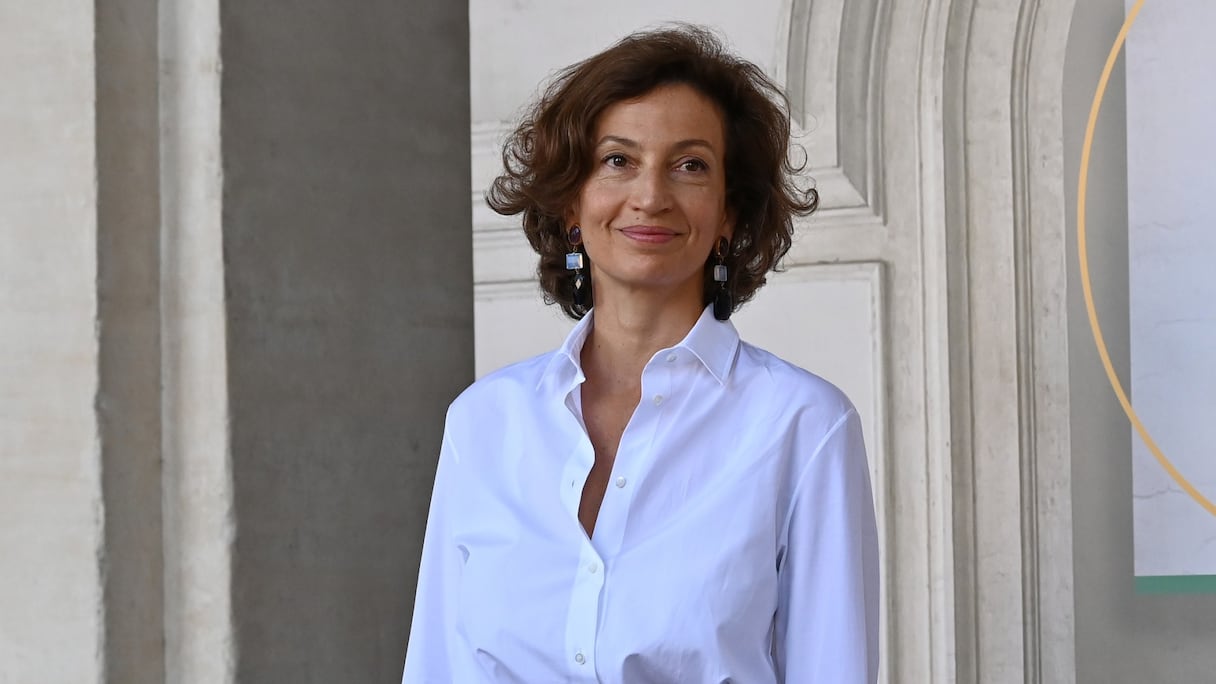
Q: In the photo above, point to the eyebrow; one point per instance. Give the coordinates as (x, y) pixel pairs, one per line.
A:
(626, 142)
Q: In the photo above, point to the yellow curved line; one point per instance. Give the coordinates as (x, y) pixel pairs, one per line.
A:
(1085, 286)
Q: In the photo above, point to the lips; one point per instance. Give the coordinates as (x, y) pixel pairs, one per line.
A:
(650, 234)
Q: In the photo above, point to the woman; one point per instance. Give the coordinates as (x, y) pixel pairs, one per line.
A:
(655, 501)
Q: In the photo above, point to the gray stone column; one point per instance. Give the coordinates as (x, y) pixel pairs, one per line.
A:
(128, 402)
(348, 273)
(235, 299)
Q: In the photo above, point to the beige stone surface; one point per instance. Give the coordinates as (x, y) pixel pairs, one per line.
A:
(50, 488)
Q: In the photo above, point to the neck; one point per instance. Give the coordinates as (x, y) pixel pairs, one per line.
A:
(628, 330)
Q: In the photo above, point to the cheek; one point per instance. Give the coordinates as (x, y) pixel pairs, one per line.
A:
(704, 200)
(596, 202)
(709, 212)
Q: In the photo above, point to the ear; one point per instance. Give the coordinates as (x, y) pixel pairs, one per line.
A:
(570, 216)
(728, 225)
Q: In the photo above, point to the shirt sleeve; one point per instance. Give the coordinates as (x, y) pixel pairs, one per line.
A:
(429, 654)
(828, 600)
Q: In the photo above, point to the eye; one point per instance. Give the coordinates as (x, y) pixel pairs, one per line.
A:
(616, 160)
(693, 165)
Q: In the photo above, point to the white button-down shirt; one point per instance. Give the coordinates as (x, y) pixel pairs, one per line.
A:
(735, 543)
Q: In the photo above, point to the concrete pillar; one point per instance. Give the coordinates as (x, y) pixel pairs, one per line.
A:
(128, 336)
(51, 509)
(347, 253)
(196, 493)
(234, 303)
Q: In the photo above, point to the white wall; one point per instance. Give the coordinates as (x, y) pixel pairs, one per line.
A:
(519, 44)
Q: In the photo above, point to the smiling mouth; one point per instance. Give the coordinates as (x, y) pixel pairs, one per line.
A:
(651, 234)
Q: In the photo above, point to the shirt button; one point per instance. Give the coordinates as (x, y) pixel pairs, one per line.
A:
(593, 568)
(620, 482)
(579, 658)
(658, 399)
(671, 358)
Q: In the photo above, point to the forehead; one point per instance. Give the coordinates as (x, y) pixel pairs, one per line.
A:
(669, 113)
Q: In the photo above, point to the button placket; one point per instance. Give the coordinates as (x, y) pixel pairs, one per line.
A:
(635, 453)
(574, 474)
(582, 620)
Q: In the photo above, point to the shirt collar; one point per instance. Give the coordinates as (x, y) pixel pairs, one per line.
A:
(713, 342)
(566, 362)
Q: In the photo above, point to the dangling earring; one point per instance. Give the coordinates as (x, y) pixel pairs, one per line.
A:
(722, 303)
(574, 262)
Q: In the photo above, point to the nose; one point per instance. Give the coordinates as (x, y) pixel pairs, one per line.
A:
(650, 194)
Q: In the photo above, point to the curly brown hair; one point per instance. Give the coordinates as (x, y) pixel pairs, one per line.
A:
(547, 158)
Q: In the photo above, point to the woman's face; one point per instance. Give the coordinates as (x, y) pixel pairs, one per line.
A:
(655, 203)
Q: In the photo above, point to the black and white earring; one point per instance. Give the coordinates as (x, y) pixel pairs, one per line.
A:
(722, 303)
(574, 262)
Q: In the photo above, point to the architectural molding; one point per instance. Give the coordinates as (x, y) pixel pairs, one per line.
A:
(200, 639)
(1042, 268)
(935, 260)
(1008, 355)
(506, 289)
(869, 274)
(830, 61)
